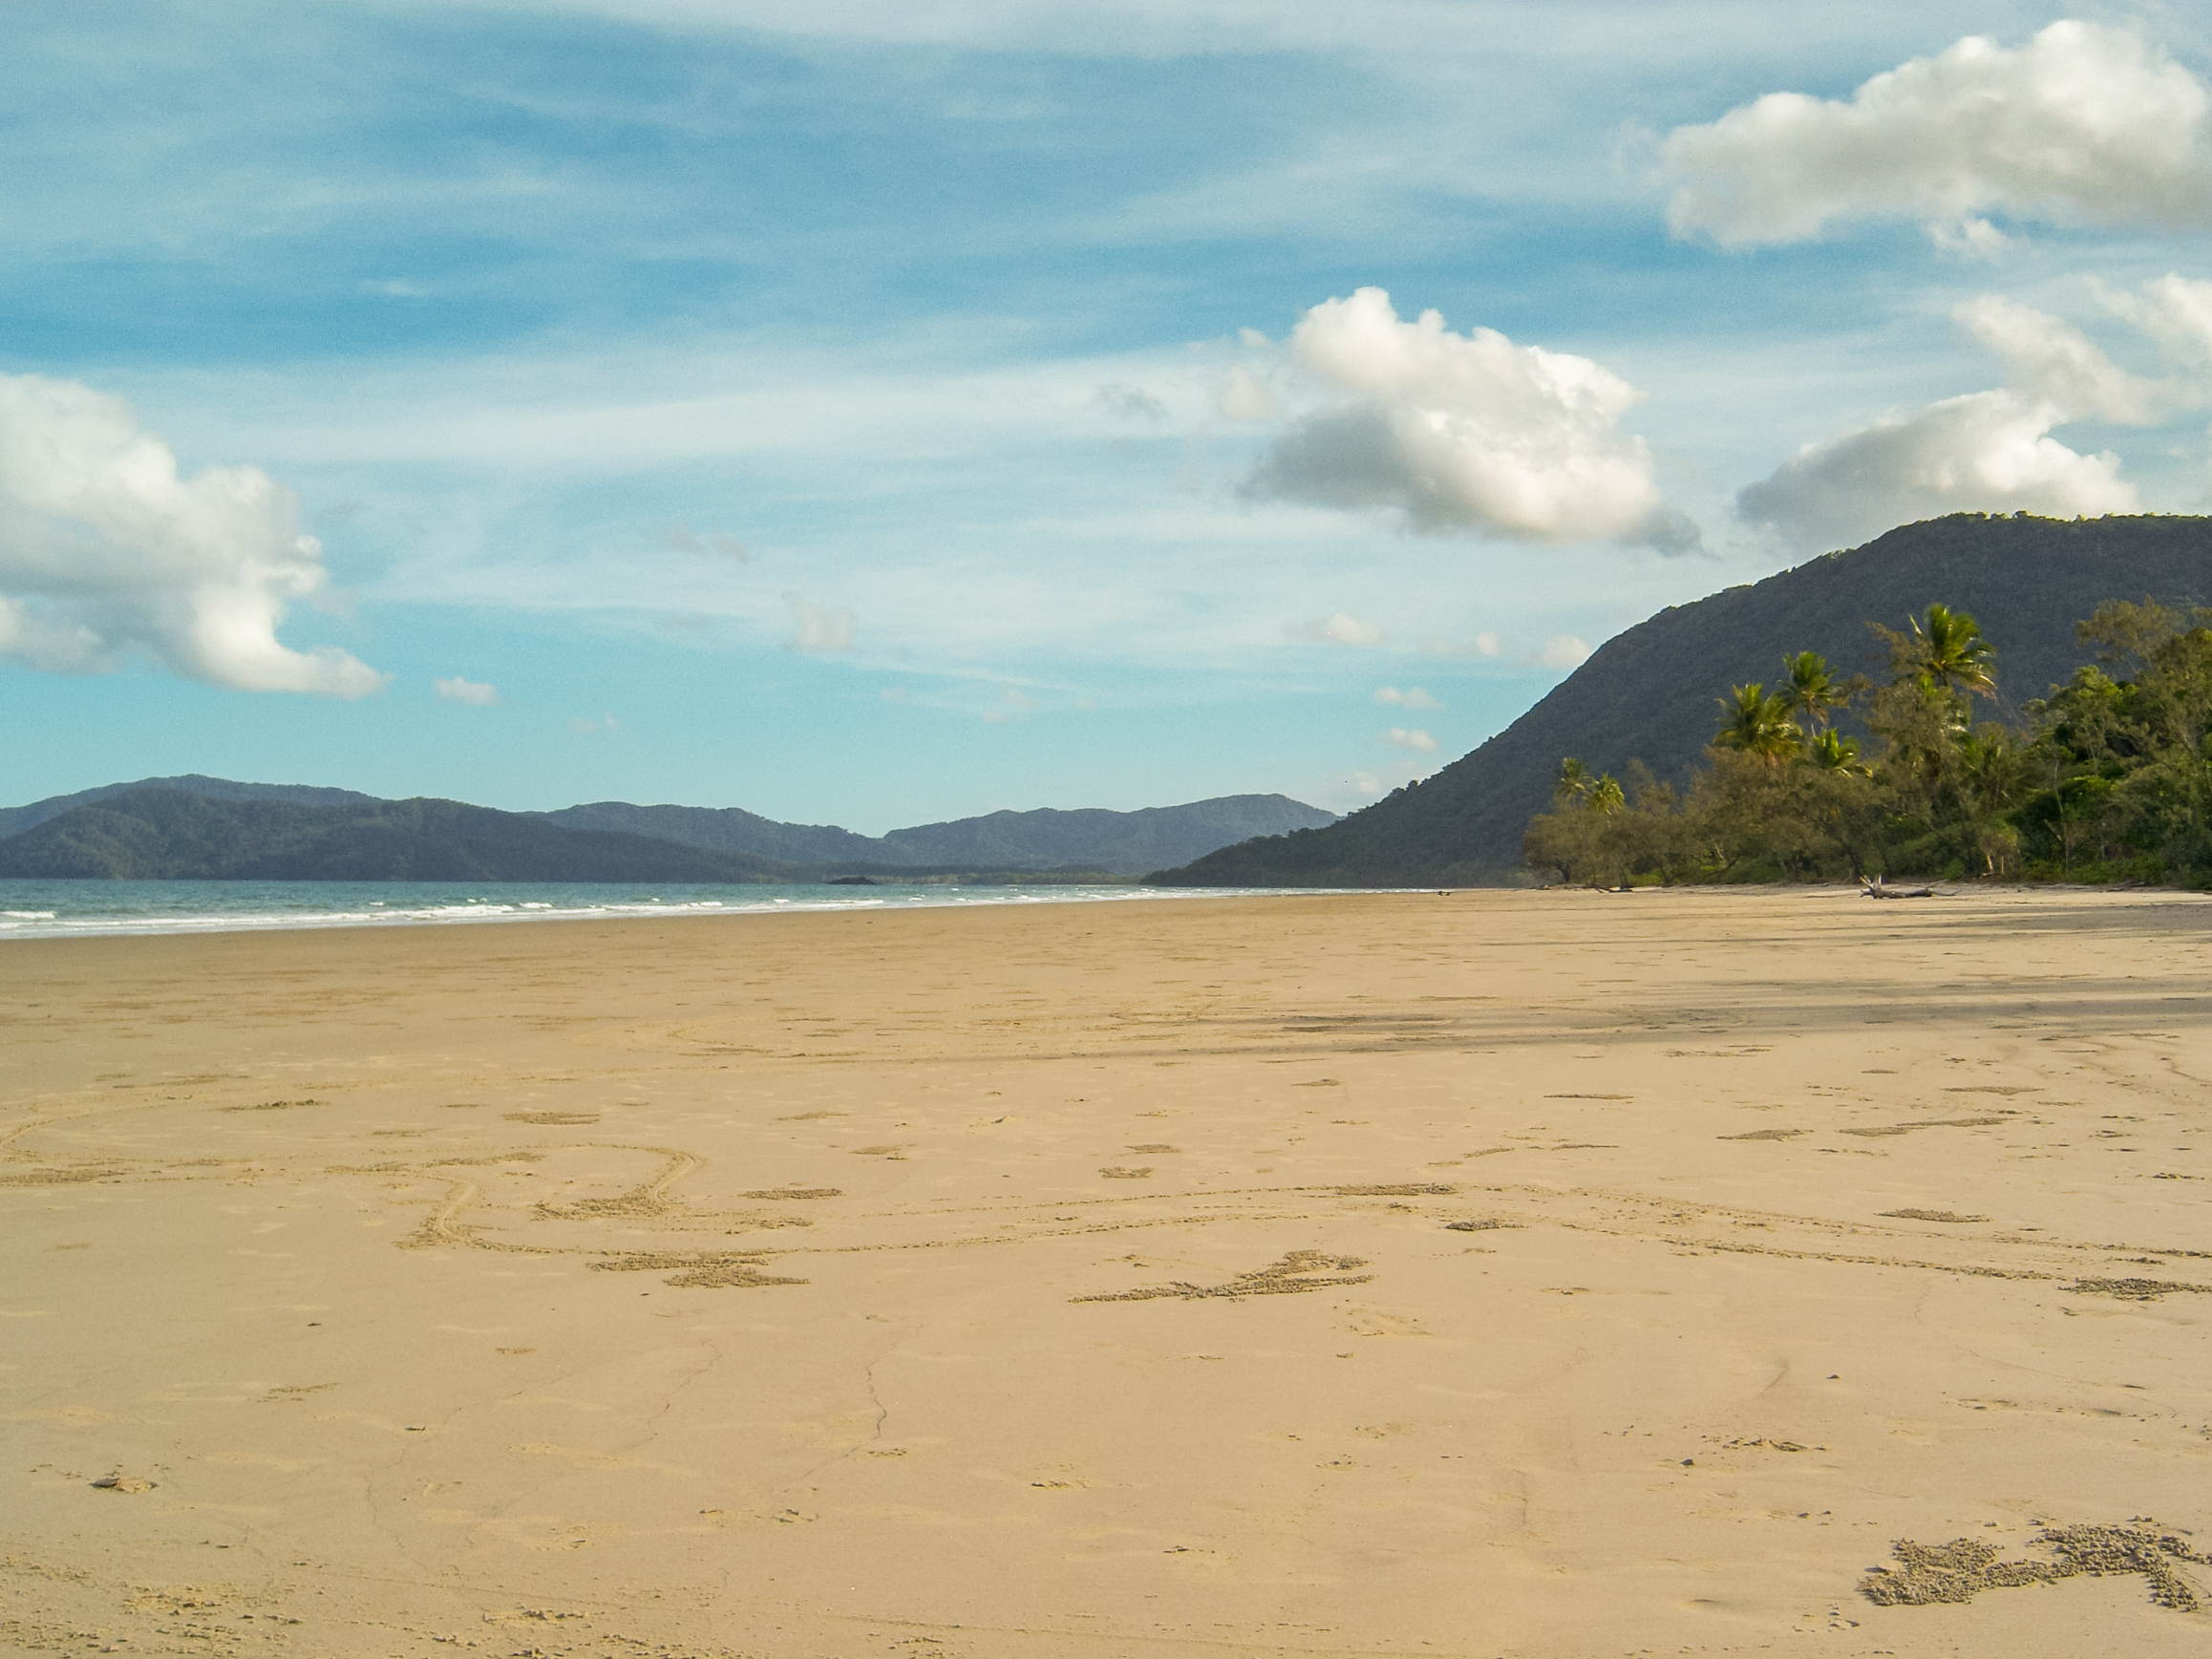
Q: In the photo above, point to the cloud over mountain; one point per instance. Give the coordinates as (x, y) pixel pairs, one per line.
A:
(2085, 123)
(105, 549)
(1986, 452)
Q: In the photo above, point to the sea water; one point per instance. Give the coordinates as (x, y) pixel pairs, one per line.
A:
(74, 909)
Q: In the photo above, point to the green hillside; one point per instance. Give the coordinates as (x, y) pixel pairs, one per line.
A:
(1649, 693)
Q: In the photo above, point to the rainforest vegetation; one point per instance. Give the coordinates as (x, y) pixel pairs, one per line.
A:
(2107, 779)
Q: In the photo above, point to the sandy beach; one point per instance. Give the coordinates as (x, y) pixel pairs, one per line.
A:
(1536, 1274)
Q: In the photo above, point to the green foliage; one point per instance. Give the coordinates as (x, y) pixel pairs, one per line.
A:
(1758, 723)
(2108, 777)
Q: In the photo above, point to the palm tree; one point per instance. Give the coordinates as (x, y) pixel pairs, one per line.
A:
(1573, 785)
(1813, 690)
(1833, 752)
(1950, 651)
(1757, 724)
(1606, 797)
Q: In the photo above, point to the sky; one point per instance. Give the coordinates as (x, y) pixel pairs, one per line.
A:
(873, 414)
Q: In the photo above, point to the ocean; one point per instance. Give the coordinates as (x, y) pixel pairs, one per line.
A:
(75, 909)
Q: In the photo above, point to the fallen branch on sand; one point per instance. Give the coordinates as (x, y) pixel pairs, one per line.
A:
(1878, 888)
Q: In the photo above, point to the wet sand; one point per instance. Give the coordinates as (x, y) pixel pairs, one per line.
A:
(1498, 1274)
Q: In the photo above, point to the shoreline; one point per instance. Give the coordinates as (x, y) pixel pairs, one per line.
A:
(482, 907)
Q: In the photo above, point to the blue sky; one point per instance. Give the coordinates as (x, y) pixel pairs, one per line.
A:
(912, 412)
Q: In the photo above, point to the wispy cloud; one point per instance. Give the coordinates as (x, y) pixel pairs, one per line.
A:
(1412, 697)
(1400, 737)
(474, 692)
(1340, 629)
(680, 538)
(819, 628)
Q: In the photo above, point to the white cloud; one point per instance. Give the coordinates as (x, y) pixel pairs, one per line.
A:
(2174, 310)
(1971, 238)
(1242, 398)
(680, 538)
(2053, 361)
(1364, 783)
(1464, 432)
(819, 628)
(1987, 451)
(1563, 651)
(105, 549)
(2084, 123)
(1399, 737)
(1341, 629)
(471, 691)
(893, 694)
(588, 727)
(1412, 697)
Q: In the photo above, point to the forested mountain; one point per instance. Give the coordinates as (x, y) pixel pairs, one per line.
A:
(1000, 842)
(168, 834)
(15, 819)
(1093, 839)
(1651, 693)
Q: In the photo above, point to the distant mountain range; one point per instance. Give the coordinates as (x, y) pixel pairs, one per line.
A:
(209, 828)
(1126, 842)
(1651, 693)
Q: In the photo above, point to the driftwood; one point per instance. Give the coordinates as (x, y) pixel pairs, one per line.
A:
(1878, 888)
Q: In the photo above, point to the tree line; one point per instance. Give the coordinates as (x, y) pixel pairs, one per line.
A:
(2109, 778)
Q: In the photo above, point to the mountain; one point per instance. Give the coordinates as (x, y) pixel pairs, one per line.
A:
(1128, 843)
(726, 829)
(1649, 694)
(15, 819)
(170, 834)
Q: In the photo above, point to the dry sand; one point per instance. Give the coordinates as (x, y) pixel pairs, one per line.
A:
(1536, 1274)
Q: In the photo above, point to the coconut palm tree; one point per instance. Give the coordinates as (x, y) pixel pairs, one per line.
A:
(1758, 723)
(1814, 691)
(1833, 752)
(1606, 797)
(1950, 651)
(1573, 785)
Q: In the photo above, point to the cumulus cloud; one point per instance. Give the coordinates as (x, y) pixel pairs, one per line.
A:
(2055, 362)
(1464, 433)
(1412, 697)
(1987, 451)
(471, 691)
(106, 550)
(1342, 628)
(1399, 737)
(680, 538)
(819, 628)
(1563, 651)
(2084, 123)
